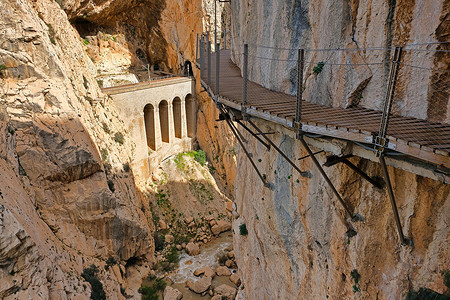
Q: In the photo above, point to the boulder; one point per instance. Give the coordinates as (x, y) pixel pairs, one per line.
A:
(223, 271)
(205, 270)
(162, 225)
(226, 291)
(220, 227)
(189, 220)
(172, 294)
(217, 297)
(229, 263)
(201, 285)
(229, 206)
(209, 218)
(168, 238)
(192, 249)
(231, 254)
(234, 278)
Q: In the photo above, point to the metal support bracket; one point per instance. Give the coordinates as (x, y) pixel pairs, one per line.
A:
(403, 239)
(353, 216)
(334, 159)
(249, 156)
(303, 174)
(252, 133)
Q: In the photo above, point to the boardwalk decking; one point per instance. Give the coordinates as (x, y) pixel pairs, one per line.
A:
(418, 138)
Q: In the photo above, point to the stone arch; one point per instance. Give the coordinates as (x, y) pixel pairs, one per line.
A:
(191, 113)
(177, 121)
(149, 120)
(164, 120)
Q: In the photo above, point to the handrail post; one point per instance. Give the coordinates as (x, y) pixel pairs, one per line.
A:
(217, 70)
(225, 38)
(245, 77)
(298, 111)
(196, 49)
(380, 140)
(209, 63)
(202, 57)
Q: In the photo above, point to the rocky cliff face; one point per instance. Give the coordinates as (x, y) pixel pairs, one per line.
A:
(67, 195)
(150, 31)
(349, 77)
(299, 245)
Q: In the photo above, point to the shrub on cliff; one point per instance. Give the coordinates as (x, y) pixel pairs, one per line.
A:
(90, 275)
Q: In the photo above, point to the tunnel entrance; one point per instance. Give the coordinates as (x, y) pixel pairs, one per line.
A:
(176, 105)
(164, 120)
(149, 119)
(190, 115)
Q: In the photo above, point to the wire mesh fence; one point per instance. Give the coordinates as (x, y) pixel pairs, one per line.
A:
(353, 88)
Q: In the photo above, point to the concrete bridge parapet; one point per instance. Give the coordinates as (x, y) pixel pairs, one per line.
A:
(160, 117)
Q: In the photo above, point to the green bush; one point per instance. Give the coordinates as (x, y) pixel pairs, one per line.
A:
(90, 275)
(173, 256)
(200, 157)
(104, 153)
(118, 137)
(3, 67)
(317, 69)
(243, 229)
(148, 293)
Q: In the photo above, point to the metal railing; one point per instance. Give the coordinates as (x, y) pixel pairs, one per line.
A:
(356, 87)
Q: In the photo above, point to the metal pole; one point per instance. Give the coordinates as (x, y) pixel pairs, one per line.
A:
(225, 37)
(217, 70)
(202, 57)
(298, 112)
(276, 148)
(209, 63)
(196, 50)
(324, 175)
(395, 67)
(215, 22)
(252, 133)
(245, 75)
(362, 174)
(392, 199)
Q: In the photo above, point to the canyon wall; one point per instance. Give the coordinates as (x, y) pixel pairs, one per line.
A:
(370, 29)
(300, 244)
(68, 198)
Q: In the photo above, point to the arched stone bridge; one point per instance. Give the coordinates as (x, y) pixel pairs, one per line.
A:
(160, 117)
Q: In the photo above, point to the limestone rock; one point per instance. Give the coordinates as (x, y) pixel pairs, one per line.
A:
(231, 254)
(200, 285)
(172, 294)
(217, 297)
(226, 291)
(189, 220)
(162, 225)
(207, 271)
(223, 271)
(220, 227)
(192, 249)
(234, 278)
(229, 206)
(168, 238)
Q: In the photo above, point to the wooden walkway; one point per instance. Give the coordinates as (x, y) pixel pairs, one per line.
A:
(414, 137)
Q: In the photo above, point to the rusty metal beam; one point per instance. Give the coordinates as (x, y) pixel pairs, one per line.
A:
(355, 217)
(387, 180)
(304, 174)
(254, 134)
(249, 156)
